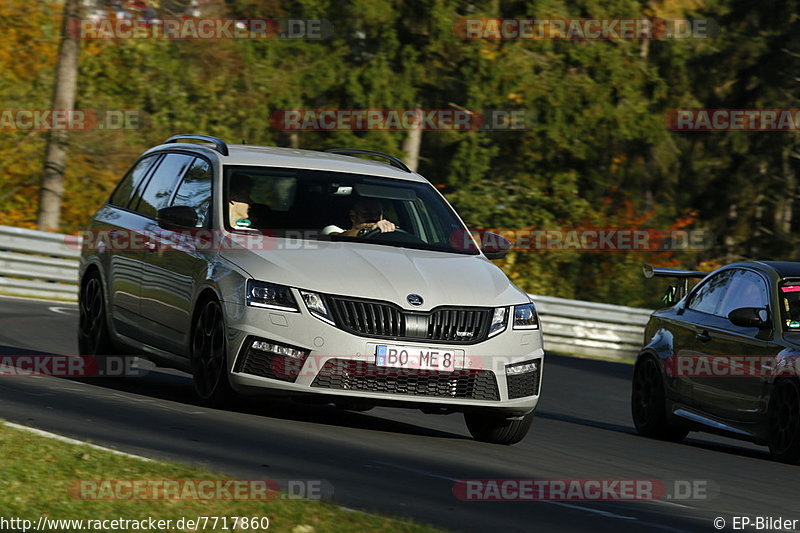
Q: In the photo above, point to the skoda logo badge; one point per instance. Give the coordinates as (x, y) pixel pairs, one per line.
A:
(414, 299)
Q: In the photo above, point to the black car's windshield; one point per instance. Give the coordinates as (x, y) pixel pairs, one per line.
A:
(313, 204)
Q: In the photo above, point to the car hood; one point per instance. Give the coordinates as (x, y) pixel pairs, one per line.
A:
(381, 272)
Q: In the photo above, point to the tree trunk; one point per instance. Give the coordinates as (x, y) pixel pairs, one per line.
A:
(63, 99)
(412, 143)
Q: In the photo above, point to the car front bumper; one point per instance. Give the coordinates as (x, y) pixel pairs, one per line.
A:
(328, 345)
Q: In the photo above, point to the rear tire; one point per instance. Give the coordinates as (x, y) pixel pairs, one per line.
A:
(497, 429)
(209, 357)
(93, 335)
(649, 403)
(783, 421)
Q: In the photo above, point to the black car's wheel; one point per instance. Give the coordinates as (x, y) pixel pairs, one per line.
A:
(209, 357)
(649, 403)
(783, 421)
(497, 429)
(93, 335)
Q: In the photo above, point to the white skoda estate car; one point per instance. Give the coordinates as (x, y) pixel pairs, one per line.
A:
(322, 275)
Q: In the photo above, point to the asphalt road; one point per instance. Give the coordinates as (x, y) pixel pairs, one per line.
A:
(402, 462)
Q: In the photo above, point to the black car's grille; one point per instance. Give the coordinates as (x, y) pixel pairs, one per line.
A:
(527, 384)
(268, 365)
(344, 374)
(383, 320)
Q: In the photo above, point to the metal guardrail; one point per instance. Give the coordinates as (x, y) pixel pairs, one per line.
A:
(38, 263)
(589, 328)
(45, 265)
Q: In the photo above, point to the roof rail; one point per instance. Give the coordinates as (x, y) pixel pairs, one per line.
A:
(393, 161)
(219, 144)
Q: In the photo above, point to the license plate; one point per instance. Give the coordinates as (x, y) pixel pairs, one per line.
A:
(415, 358)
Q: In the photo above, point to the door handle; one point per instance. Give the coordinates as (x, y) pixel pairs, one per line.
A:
(151, 246)
(703, 336)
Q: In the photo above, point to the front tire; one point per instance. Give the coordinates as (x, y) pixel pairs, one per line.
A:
(497, 429)
(649, 403)
(209, 357)
(783, 421)
(93, 335)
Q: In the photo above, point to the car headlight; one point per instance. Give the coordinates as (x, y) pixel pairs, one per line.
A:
(315, 304)
(270, 295)
(498, 321)
(525, 317)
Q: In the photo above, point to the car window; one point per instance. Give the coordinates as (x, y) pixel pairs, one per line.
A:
(162, 183)
(790, 304)
(709, 295)
(746, 289)
(195, 190)
(313, 204)
(121, 196)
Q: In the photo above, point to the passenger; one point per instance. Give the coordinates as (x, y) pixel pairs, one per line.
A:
(239, 201)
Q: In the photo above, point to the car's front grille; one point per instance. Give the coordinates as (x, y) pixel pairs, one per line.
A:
(459, 325)
(362, 376)
(527, 384)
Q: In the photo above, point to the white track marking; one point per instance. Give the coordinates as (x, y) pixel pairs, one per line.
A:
(69, 440)
(607, 514)
(62, 310)
(34, 300)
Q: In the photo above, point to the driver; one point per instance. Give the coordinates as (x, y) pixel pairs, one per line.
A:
(367, 215)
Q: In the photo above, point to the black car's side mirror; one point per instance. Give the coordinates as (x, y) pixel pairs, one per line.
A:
(494, 246)
(750, 317)
(177, 216)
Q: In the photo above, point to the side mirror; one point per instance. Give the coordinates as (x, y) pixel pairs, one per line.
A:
(750, 317)
(494, 246)
(177, 215)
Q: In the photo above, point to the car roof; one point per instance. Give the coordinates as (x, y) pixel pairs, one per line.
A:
(784, 269)
(273, 156)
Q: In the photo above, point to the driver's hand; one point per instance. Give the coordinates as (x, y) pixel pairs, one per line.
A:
(385, 226)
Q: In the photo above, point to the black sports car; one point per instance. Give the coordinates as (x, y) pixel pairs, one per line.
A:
(724, 357)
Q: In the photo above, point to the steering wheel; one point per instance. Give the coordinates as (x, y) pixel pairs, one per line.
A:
(377, 231)
(371, 233)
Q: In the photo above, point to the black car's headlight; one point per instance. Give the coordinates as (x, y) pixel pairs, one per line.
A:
(315, 303)
(498, 323)
(270, 295)
(525, 317)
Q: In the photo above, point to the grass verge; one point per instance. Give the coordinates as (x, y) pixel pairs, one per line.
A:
(37, 473)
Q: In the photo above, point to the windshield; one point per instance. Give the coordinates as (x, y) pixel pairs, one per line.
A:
(313, 204)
